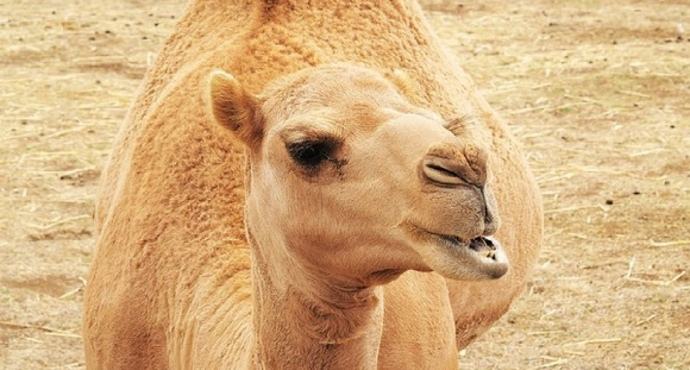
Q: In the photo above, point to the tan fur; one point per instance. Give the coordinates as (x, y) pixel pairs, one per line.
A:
(177, 282)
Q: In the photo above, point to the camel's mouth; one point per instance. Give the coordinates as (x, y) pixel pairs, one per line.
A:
(479, 258)
(484, 247)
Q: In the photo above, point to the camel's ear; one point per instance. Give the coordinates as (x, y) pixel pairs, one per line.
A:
(234, 108)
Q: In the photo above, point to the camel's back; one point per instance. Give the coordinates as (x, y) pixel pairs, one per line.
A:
(170, 214)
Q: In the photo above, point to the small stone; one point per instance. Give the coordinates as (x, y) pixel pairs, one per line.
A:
(680, 31)
(609, 202)
(636, 192)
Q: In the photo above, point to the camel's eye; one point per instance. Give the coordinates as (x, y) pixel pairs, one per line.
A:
(311, 152)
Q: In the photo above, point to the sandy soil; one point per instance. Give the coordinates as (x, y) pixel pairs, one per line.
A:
(597, 91)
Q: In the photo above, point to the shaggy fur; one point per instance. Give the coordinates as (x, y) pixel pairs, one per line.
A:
(173, 284)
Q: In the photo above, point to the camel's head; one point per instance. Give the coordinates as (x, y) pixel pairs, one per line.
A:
(351, 179)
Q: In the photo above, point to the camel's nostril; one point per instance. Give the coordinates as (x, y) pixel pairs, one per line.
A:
(444, 171)
(440, 171)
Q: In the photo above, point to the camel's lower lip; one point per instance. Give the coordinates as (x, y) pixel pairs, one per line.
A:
(483, 246)
(479, 258)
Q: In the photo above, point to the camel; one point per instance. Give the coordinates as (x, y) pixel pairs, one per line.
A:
(306, 185)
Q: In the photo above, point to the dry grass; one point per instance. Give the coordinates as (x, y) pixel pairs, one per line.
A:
(597, 91)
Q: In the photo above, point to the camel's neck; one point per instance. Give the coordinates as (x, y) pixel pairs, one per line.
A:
(304, 321)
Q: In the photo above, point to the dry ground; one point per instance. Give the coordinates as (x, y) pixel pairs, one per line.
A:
(597, 91)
